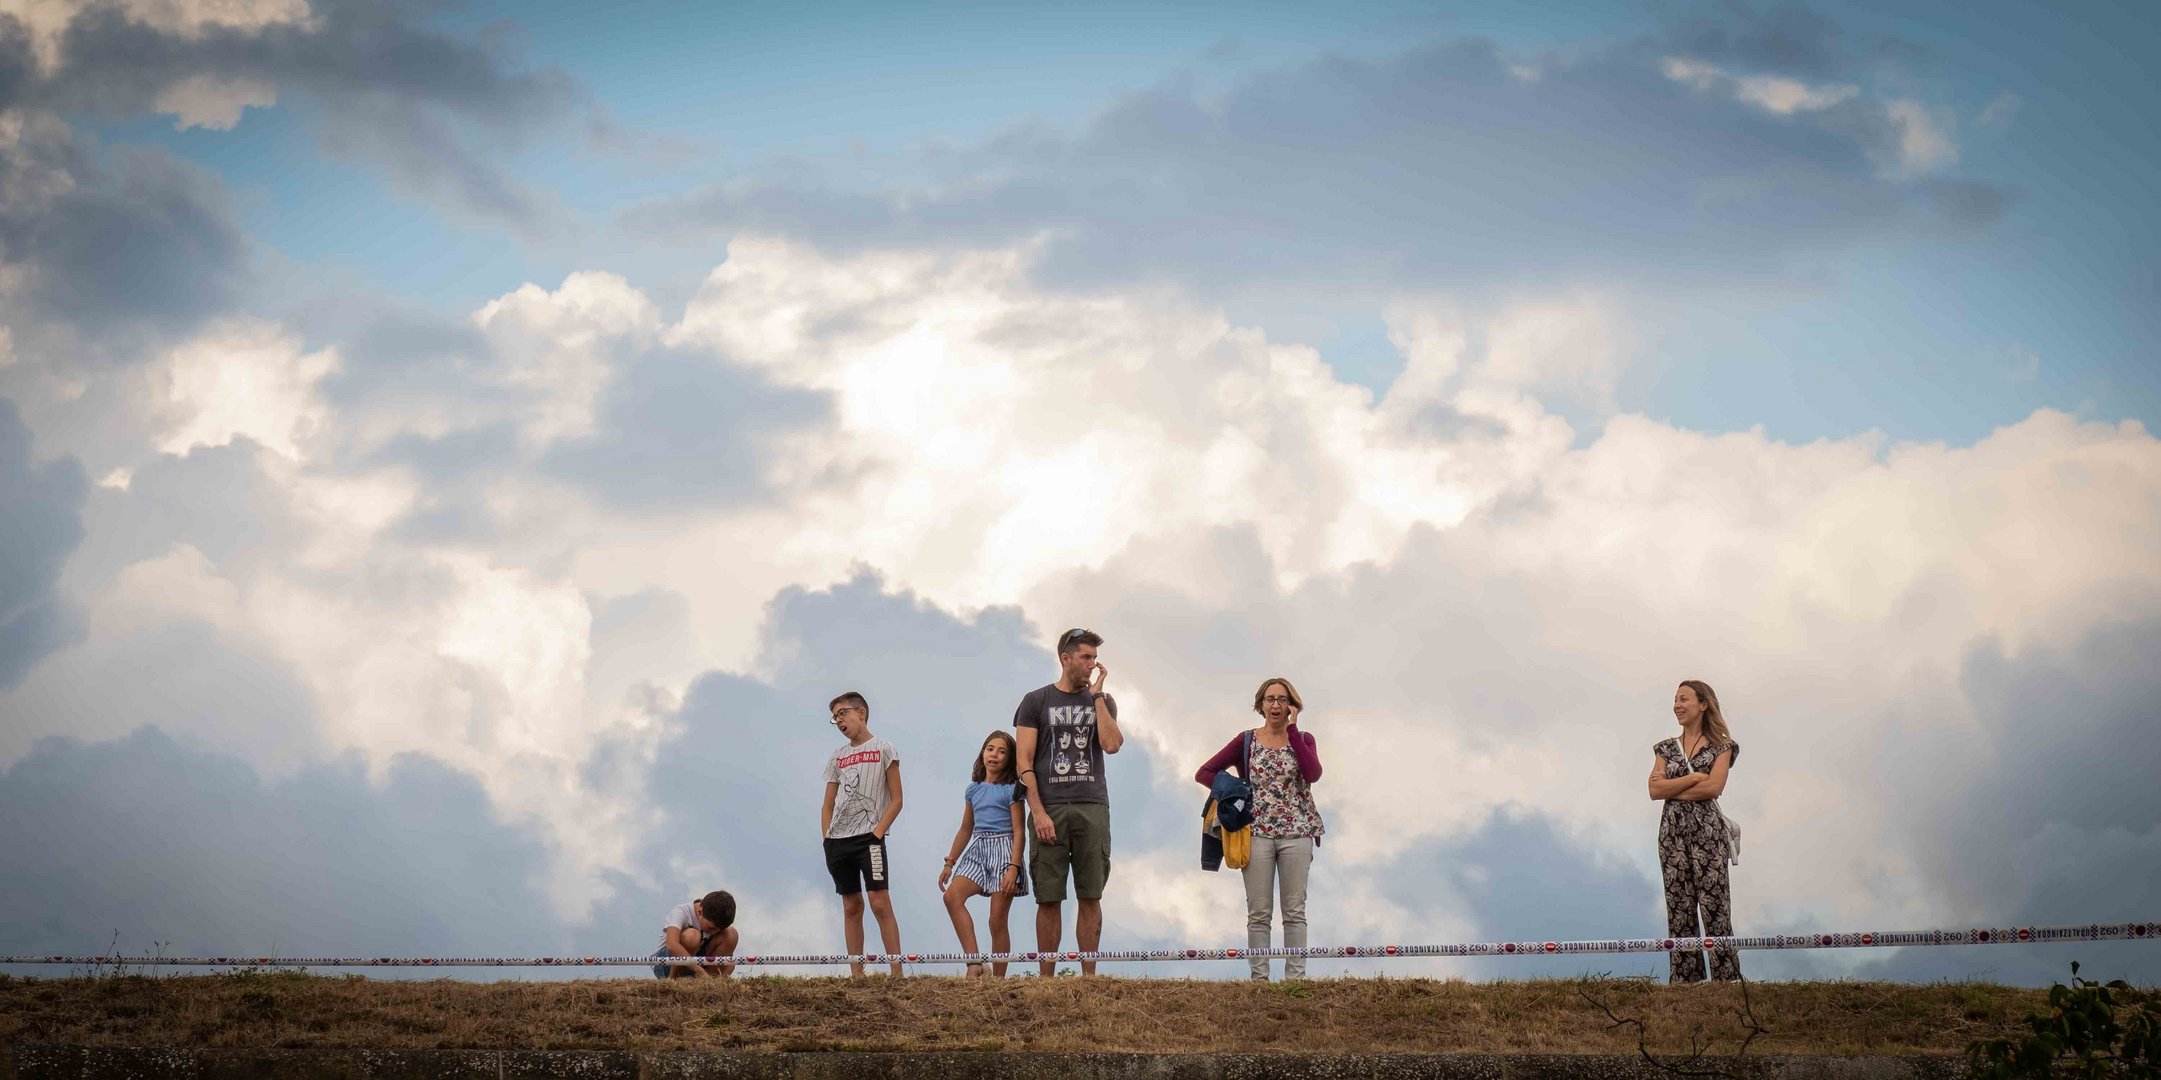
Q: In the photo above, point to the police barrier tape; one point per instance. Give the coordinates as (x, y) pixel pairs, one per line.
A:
(2015, 935)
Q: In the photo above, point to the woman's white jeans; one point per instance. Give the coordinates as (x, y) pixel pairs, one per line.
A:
(1284, 860)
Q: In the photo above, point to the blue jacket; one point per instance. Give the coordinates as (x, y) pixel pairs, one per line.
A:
(1233, 800)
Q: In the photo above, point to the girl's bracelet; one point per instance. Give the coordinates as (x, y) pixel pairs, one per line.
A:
(949, 862)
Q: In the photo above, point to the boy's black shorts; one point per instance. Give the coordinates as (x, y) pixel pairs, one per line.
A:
(857, 863)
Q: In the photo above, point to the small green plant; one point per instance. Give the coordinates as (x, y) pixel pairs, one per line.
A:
(2090, 1029)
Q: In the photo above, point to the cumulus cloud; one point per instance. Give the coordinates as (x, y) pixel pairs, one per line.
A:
(578, 386)
(1567, 349)
(243, 379)
(557, 345)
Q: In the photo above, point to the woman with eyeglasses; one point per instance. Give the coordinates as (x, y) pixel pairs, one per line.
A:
(1280, 763)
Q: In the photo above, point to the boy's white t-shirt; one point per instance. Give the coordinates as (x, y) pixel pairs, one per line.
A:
(860, 772)
(684, 917)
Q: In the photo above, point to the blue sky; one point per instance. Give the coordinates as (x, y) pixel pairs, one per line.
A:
(549, 406)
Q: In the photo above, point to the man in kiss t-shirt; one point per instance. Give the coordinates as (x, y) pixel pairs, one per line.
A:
(1063, 732)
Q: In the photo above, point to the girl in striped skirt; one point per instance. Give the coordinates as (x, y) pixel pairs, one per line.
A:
(986, 854)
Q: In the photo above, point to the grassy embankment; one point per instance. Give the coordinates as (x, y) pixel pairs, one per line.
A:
(253, 1009)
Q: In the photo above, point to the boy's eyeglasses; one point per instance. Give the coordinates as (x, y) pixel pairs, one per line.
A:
(843, 711)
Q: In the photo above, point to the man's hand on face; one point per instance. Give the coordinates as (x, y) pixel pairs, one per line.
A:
(1101, 676)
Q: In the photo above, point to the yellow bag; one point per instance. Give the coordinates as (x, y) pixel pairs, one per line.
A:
(1238, 847)
(1237, 843)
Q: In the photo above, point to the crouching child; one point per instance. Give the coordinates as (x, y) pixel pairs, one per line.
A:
(702, 927)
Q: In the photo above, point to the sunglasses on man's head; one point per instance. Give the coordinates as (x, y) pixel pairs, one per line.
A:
(1068, 637)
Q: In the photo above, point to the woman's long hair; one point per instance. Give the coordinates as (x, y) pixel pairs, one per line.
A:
(1715, 732)
(1012, 759)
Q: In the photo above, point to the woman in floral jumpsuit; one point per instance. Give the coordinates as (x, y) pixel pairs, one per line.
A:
(1692, 847)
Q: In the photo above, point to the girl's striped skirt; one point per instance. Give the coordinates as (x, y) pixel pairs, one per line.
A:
(983, 862)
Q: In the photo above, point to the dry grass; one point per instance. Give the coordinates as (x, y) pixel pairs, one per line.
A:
(253, 1009)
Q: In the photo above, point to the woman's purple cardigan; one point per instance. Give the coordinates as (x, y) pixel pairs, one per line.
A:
(1233, 754)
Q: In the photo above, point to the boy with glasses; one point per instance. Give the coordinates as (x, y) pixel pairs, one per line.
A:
(862, 797)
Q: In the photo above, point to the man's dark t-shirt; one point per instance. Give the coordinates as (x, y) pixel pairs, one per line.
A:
(1068, 758)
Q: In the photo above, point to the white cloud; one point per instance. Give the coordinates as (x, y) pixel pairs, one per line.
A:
(1565, 348)
(1924, 140)
(1785, 96)
(555, 346)
(48, 20)
(1694, 73)
(1771, 93)
(977, 410)
(243, 378)
(212, 101)
(1925, 143)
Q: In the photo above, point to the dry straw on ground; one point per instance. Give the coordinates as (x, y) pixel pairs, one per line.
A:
(1066, 1014)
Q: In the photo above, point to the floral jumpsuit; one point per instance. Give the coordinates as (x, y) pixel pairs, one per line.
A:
(1692, 858)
